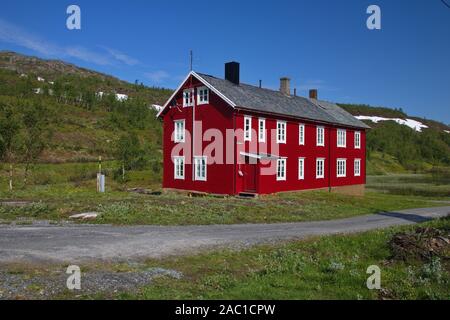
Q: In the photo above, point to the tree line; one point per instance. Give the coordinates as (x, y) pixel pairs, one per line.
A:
(23, 135)
(412, 149)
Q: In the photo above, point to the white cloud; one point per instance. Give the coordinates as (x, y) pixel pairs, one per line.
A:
(158, 76)
(12, 34)
(122, 57)
(87, 55)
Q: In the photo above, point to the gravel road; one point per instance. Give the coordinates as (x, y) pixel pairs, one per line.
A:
(83, 243)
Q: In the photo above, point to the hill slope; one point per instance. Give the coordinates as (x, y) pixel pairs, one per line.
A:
(83, 124)
(404, 142)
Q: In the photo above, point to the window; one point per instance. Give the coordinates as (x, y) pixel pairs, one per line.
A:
(247, 129)
(301, 134)
(320, 136)
(281, 169)
(341, 138)
(341, 168)
(281, 132)
(320, 168)
(357, 140)
(188, 98)
(301, 168)
(179, 131)
(357, 167)
(179, 167)
(202, 95)
(200, 168)
(262, 130)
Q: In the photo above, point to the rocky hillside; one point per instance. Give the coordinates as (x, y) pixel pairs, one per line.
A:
(48, 68)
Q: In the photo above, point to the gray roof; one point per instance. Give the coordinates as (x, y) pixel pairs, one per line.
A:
(341, 116)
(271, 101)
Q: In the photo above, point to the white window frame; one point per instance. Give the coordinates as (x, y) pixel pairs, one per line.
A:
(197, 175)
(320, 174)
(262, 130)
(247, 131)
(301, 134)
(188, 102)
(179, 136)
(281, 135)
(201, 92)
(320, 136)
(357, 139)
(301, 168)
(177, 173)
(341, 168)
(357, 173)
(341, 138)
(284, 171)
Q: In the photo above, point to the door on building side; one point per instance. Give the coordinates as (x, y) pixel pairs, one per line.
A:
(250, 172)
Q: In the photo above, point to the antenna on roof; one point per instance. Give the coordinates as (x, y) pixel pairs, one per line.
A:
(191, 58)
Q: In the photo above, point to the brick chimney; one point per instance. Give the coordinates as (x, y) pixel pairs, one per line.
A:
(313, 94)
(285, 86)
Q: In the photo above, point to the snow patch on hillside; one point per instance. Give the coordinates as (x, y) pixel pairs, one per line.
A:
(119, 96)
(413, 124)
(157, 107)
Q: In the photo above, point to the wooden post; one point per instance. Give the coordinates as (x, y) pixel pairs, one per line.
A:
(99, 174)
(10, 177)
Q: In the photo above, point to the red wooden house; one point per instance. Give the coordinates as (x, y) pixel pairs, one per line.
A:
(225, 137)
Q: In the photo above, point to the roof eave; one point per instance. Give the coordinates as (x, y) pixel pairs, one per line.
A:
(204, 82)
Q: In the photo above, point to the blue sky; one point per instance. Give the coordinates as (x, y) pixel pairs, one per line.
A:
(320, 44)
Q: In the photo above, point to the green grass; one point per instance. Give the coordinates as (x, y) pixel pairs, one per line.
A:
(180, 210)
(59, 190)
(381, 164)
(425, 185)
(331, 267)
(57, 202)
(327, 267)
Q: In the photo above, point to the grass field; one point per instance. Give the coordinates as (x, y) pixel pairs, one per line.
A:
(331, 267)
(173, 209)
(56, 191)
(427, 185)
(381, 164)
